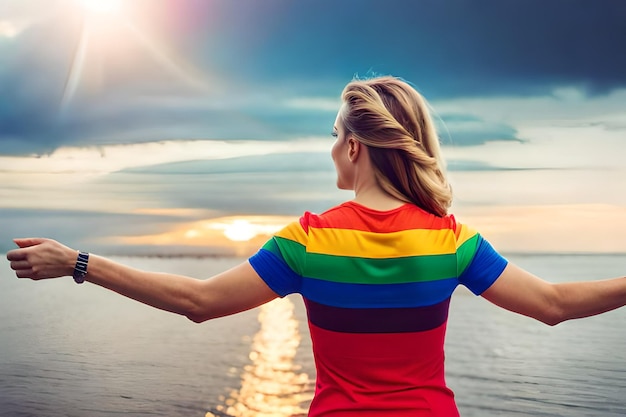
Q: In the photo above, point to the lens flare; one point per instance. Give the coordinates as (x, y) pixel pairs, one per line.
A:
(101, 6)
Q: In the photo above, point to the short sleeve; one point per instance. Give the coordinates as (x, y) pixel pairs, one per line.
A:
(484, 268)
(280, 261)
(478, 263)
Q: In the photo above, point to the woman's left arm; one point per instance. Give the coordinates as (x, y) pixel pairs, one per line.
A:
(552, 303)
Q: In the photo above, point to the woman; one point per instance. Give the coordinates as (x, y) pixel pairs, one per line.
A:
(376, 273)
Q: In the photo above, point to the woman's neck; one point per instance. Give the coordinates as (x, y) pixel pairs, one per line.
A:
(376, 198)
(367, 190)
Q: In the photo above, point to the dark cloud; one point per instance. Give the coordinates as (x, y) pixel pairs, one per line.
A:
(447, 48)
(151, 106)
(275, 50)
(32, 78)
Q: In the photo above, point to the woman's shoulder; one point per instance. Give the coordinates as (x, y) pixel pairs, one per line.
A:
(352, 215)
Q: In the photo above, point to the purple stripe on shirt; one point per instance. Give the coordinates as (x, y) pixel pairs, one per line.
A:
(377, 320)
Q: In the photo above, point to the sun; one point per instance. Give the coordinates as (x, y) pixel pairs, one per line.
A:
(101, 6)
(240, 231)
(116, 44)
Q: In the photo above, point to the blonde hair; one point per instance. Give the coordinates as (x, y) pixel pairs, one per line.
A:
(393, 120)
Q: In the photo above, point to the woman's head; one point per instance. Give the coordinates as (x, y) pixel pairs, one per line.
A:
(392, 119)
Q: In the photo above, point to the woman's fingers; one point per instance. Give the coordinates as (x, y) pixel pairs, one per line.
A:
(23, 243)
(28, 241)
(21, 266)
(17, 265)
(16, 255)
(25, 273)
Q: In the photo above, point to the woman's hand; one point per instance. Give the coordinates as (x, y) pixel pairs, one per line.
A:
(39, 258)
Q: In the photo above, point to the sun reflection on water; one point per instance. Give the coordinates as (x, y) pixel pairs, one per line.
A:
(272, 385)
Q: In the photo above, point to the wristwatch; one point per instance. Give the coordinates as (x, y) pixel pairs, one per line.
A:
(80, 269)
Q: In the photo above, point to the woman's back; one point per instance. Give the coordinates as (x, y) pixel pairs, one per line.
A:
(377, 287)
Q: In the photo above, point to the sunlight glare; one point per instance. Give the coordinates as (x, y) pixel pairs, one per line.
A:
(101, 6)
(8, 29)
(240, 231)
(117, 45)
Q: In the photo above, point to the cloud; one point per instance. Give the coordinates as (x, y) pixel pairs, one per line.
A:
(470, 130)
(478, 120)
(98, 160)
(464, 165)
(77, 228)
(157, 185)
(447, 49)
(276, 162)
(36, 121)
(275, 183)
(314, 103)
(485, 134)
(91, 87)
(567, 105)
(189, 70)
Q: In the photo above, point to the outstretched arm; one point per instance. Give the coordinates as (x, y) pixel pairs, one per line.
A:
(235, 290)
(520, 291)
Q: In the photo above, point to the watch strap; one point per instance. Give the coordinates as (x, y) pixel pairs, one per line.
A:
(80, 269)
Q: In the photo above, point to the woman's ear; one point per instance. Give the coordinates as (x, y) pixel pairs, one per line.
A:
(354, 148)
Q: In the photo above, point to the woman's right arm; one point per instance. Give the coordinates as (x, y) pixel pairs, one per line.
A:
(522, 292)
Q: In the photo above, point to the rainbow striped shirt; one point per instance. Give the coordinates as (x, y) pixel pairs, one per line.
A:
(377, 287)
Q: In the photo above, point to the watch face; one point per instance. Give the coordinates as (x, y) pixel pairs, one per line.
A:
(79, 278)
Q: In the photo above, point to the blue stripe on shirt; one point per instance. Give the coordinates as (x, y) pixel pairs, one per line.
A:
(275, 272)
(485, 268)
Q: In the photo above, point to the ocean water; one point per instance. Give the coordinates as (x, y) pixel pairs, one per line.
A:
(69, 350)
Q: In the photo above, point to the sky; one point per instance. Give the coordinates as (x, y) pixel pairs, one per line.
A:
(202, 126)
